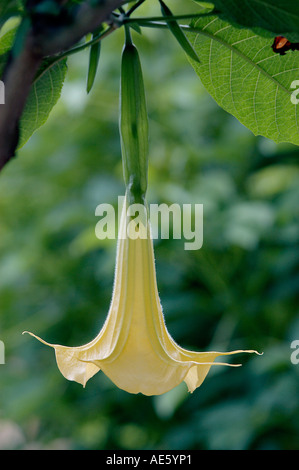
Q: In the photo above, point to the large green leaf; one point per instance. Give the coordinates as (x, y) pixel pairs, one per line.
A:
(246, 78)
(278, 16)
(45, 91)
(44, 95)
(6, 41)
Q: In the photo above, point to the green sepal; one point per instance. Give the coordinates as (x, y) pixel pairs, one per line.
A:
(94, 57)
(136, 27)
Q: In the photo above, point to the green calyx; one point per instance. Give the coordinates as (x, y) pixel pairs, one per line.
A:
(133, 124)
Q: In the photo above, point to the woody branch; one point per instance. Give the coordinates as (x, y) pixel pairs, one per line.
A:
(41, 42)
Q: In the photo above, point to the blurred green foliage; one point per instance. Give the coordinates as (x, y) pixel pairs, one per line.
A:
(239, 291)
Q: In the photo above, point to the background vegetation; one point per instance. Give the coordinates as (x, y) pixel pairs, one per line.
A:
(239, 291)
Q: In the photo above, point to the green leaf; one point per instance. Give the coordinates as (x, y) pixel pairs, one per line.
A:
(45, 91)
(94, 57)
(43, 96)
(178, 33)
(246, 78)
(6, 42)
(278, 16)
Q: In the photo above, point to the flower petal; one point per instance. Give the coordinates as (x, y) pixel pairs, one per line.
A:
(134, 348)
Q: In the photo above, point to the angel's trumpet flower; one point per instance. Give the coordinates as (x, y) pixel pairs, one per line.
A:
(134, 348)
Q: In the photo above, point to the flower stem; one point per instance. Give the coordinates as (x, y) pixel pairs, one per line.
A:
(161, 25)
(140, 20)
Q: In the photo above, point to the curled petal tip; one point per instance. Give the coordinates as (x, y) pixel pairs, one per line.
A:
(37, 337)
(28, 333)
(253, 351)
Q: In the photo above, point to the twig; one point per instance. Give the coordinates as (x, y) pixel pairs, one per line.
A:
(87, 20)
(18, 79)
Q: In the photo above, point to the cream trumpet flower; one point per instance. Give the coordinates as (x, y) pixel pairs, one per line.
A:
(134, 348)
